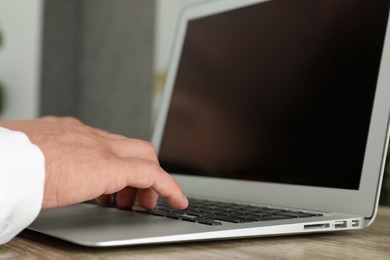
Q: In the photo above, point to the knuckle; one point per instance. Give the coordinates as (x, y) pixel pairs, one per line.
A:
(72, 120)
(144, 148)
(49, 118)
(145, 173)
(150, 149)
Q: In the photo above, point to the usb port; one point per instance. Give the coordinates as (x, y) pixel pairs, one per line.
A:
(355, 223)
(340, 224)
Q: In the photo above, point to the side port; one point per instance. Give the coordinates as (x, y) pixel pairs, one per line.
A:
(317, 226)
(340, 224)
(355, 223)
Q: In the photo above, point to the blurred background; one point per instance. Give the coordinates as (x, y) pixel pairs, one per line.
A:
(103, 61)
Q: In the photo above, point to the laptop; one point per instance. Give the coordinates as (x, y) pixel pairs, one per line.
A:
(279, 106)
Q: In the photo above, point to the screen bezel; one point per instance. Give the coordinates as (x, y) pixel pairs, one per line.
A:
(363, 201)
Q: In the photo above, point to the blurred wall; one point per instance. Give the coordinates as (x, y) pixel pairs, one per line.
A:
(20, 57)
(68, 36)
(98, 63)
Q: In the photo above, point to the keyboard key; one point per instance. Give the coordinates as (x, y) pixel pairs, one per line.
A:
(189, 219)
(159, 213)
(214, 213)
(297, 214)
(208, 222)
(274, 217)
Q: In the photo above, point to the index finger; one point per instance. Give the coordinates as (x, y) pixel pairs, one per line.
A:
(145, 174)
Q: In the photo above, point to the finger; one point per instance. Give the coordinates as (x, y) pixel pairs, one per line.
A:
(104, 200)
(147, 198)
(125, 198)
(145, 174)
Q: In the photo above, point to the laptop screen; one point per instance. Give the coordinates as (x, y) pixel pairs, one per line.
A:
(278, 92)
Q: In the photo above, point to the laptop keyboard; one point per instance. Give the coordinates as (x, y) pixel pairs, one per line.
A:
(215, 213)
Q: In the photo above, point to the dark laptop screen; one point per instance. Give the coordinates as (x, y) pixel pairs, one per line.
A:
(280, 92)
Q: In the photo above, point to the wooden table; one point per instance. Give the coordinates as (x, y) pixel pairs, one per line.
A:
(370, 243)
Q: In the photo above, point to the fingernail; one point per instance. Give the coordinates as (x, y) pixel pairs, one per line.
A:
(186, 201)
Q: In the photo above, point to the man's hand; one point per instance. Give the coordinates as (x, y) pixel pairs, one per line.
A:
(83, 163)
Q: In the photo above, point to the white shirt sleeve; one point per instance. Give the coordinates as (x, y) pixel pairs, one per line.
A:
(22, 177)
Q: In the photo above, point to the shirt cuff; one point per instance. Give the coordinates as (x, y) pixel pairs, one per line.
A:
(22, 178)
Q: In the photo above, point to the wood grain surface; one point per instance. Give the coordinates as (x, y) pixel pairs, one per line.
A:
(370, 243)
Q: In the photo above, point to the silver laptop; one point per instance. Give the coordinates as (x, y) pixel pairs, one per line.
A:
(274, 119)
